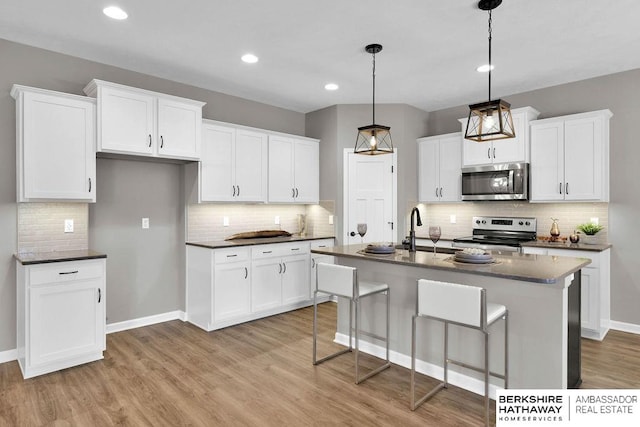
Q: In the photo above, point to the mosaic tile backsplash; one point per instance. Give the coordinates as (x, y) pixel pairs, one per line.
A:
(41, 227)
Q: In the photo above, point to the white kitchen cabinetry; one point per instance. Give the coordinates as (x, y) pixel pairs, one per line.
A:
(144, 123)
(439, 164)
(293, 170)
(61, 315)
(595, 303)
(233, 165)
(511, 150)
(55, 134)
(570, 158)
(316, 258)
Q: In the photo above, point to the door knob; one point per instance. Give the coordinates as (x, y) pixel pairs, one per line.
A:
(352, 234)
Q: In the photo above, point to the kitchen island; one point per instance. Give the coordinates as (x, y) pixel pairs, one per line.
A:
(542, 294)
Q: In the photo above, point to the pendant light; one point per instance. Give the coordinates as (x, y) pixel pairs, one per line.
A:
(374, 139)
(492, 119)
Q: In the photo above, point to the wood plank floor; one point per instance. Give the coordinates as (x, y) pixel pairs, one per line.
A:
(255, 374)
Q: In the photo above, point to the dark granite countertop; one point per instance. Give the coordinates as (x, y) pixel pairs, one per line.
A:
(529, 268)
(220, 244)
(567, 245)
(29, 258)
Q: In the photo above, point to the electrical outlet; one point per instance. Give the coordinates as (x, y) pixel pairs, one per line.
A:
(595, 220)
(330, 219)
(68, 226)
(225, 221)
(277, 220)
(452, 219)
(145, 223)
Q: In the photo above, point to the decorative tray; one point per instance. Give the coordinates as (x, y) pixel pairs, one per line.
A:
(380, 248)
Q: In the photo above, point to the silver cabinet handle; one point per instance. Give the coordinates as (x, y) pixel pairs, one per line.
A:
(285, 268)
(238, 191)
(313, 263)
(295, 249)
(266, 252)
(246, 272)
(89, 185)
(161, 141)
(296, 192)
(560, 188)
(280, 271)
(231, 256)
(436, 191)
(68, 272)
(440, 192)
(293, 193)
(234, 191)
(566, 188)
(494, 152)
(99, 295)
(149, 140)
(488, 153)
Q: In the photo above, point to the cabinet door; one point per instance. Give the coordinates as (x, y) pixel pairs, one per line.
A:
(583, 154)
(547, 161)
(179, 126)
(216, 164)
(450, 170)
(57, 148)
(428, 170)
(306, 172)
(295, 279)
(590, 299)
(250, 160)
(266, 286)
(281, 184)
(475, 153)
(65, 321)
(512, 150)
(232, 291)
(315, 259)
(126, 122)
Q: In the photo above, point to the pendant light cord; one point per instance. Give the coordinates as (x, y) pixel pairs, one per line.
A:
(489, 54)
(374, 89)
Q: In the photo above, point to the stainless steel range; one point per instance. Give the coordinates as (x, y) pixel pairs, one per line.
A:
(498, 233)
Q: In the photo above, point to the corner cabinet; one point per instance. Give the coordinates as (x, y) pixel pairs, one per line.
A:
(595, 306)
(60, 315)
(293, 170)
(510, 150)
(144, 123)
(439, 165)
(570, 158)
(55, 136)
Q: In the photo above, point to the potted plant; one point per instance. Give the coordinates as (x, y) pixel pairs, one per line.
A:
(590, 230)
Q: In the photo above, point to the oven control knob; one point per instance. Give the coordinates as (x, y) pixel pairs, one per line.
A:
(521, 223)
(484, 222)
(477, 221)
(527, 223)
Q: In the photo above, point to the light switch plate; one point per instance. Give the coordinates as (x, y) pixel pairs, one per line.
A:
(68, 226)
(330, 219)
(225, 221)
(277, 220)
(452, 219)
(145, 223)
(595, 220)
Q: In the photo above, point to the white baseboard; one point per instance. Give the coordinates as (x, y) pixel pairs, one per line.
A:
(8, 356)
(625, 327)
(146, 321)
(455, 378)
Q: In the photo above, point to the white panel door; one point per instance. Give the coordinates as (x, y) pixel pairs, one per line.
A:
(216, 164)
(232, 291)
(583, 159)
(281, 186)
(250, 164)
(127, 121)
(307, 173)
(370, 197)
(179, 126)
(547, 161)
(450, 156)
(428, 170)
(295, 279)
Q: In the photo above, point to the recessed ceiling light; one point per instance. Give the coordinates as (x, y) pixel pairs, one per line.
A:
(249, 58)
(115, 12)
(331, 86)
(485, 68)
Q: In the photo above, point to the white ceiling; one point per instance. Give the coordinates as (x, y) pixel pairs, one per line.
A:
(431, 48)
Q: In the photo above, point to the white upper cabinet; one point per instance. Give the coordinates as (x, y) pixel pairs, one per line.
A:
(511, 150)
(439, 164)
(570, 158)
(55, 135)
(233, 164)
(293, 170)
(140, 122)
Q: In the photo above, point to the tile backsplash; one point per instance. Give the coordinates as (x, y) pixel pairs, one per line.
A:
(41, 227)
(205, 221)
(569, 215)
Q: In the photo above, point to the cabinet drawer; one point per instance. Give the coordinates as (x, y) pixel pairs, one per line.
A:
(323, 243)
(279, 250)
(60, 272)
(223, 256)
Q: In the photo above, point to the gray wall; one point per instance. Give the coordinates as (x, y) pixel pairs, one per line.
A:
(139, 284)
(619, 93)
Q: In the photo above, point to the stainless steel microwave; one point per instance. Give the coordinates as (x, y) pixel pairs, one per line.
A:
(506, 181)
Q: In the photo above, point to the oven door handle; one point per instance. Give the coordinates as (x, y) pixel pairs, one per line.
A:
(512, 183)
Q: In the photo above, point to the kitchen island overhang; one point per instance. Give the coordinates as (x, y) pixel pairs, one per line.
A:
(542, 294)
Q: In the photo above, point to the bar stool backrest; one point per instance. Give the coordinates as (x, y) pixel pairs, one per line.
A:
(336, 279)
(451, 301)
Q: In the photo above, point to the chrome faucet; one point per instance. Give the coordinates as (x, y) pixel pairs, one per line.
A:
(412, 233)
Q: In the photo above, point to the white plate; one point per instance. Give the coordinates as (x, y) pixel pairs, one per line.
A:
(465, 256)
(475, 261)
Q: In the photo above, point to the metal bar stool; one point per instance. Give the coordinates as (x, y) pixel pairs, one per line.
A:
(343, 281)
(460, 305)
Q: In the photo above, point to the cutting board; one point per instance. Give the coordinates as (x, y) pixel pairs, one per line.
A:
(259, 234)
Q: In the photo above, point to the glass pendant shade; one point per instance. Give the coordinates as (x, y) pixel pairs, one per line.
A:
(374, 139)
(489, 121)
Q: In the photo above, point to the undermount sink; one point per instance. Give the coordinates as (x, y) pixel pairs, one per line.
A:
(430, 249)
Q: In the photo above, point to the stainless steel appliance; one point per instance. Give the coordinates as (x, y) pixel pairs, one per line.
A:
(498, 233)
(506, 181)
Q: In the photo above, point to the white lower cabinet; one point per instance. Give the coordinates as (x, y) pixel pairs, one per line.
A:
(61, 315)
(316, 258)
(231, 290)
(595, 298)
